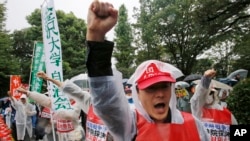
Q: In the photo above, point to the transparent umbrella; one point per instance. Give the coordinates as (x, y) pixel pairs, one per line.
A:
(4, 98)
(182, 84)
(217, 84)
(81, 80)
(242, 72)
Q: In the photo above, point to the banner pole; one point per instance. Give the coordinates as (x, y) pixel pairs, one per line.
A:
(51, 116)
(32, 64)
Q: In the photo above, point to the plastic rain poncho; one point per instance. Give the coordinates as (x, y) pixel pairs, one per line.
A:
(71, 114)
(201, 96)
(7, 114)
(199, 105)
(24, 112)
(74, 91)
(109, 99)
(96, 130)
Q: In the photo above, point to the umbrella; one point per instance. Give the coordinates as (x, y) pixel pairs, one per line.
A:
(182, 84)
(192, 77)
(125, 82)
(4, 98)
(242, 72)
(81, 80)
(217, 84)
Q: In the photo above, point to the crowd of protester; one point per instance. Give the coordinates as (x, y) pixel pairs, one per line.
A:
(150, 108)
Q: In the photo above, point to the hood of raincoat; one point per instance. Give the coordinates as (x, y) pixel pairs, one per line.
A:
(163, 68)
(211, 101)
(23, 96)
(214, 100)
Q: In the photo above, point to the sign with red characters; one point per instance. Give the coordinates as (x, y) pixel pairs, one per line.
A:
(15, 82)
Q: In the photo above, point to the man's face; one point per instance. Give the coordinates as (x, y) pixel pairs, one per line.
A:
(224, 95)
(210, 98)
(23, 100)
(155, 100)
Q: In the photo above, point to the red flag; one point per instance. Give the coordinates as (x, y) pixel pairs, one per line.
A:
(15, 82)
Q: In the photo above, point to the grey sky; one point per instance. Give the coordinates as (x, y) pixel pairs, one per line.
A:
(17, 10)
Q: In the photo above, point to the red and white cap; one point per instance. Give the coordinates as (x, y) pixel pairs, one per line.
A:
(152, 75)
(150, 72)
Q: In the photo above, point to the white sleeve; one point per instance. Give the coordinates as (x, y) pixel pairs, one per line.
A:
(234, 121)
(30, 110)
(204, 136)
(41, 99)
(81, 97)
(15, 103)
(198, 100)
(72, 114)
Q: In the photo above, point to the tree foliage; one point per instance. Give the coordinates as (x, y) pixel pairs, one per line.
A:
(202, 65)
(72, 33)
(147, 41)
(185, 29)
(2, 16)
(8, 62)
(124, 52)
(239, 100)
(242, 50)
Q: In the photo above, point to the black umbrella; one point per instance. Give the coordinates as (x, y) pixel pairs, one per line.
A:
(192, 77)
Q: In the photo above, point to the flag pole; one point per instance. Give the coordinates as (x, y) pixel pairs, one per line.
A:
(32, 64)
(51, 116)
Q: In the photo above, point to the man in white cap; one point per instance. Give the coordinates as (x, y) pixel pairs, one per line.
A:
(155, 116)
(24, 112)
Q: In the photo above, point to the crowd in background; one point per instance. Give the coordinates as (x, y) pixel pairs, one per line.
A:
(151, 101)
(184, 94)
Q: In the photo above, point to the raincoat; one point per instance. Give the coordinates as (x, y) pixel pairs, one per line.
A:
(7, 114)
(183, 101)
(110, 102)
(63, 118)
(95, 129)
(215, 118)
(23, 115)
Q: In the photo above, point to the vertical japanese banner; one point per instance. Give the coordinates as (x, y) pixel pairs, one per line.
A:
(38, 64)
(53, 55)
(15, 82)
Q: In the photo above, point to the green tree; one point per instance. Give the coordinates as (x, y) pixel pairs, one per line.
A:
(124, 52)
(188, 28)
(221, 55)
(72, 33)
(8, 62)
(202, 65)
(238, 101)
(2, 16)
(147, 41)
(242, 51)
(23, 49)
